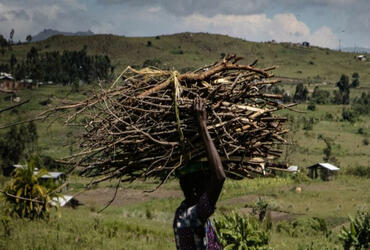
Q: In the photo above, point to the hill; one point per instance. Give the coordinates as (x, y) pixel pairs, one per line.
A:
(186, 51)
(46, 33)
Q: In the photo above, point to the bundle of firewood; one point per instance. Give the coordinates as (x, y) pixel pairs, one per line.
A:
(144, 124)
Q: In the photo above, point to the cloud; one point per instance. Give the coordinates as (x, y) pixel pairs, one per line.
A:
(30, 17)
(203, 7)
(281, 27)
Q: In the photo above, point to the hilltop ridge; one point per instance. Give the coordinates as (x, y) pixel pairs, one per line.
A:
(186, 51)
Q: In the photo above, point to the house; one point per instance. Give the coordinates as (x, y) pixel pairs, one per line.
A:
(57, 178)
(8, 82)
(325, 171)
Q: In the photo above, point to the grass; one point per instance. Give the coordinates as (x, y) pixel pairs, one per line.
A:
(148, 225)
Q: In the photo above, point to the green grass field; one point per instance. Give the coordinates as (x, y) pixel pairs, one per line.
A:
(147, 224)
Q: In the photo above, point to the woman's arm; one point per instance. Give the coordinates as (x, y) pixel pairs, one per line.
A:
(217, 174)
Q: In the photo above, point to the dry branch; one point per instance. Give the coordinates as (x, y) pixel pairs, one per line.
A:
(143, 125)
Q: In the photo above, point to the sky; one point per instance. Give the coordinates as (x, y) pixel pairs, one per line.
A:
(325, 23)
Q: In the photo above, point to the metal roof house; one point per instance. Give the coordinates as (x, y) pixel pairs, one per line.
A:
(325, 171)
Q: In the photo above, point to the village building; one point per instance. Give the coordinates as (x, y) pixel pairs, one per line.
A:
(8, 82)
(325, 171)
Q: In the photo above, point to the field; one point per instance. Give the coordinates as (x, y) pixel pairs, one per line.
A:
(142, 220)
(138, 220)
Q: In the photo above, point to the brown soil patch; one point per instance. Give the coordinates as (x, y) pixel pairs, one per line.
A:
(241, 199)
(102, 196)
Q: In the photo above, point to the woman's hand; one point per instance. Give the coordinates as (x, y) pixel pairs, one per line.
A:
(200, 110)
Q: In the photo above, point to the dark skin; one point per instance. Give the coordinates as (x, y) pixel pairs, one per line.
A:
(194, 185)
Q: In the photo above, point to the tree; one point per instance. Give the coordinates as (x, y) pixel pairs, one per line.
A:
(343, 86)
(328, 153)
(12, 147)
(29, 38)
(300, 93)
(11, 37)
(12, 62)
(355, 80)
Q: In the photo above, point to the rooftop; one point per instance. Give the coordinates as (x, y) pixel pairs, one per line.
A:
(326, 165)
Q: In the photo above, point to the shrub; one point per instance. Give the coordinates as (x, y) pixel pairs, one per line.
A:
(238, 232)
(361, 131)
(177, 51)
(303, 226)
(25, 196)
(361, 171)
(152, 63)
(358, 233)
(311, 106)
(308, 123)
(365, 141)
(362, 104)
(320, 96)
(349, 115)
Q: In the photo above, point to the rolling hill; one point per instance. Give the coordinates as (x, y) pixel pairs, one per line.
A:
(187, 51)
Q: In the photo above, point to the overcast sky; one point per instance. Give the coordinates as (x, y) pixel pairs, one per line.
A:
(324, 23)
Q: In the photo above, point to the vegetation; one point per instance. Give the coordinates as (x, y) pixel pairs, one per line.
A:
(18, 144)
(239, 232)
(143, 221)
(357, 236)
(25, 196)
(66, 67)
(202, 48)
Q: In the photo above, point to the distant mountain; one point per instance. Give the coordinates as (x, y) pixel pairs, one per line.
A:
(356, 50)
(46, 33)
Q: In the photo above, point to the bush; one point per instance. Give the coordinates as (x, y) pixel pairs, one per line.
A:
(365, 141)
(361, 171)
(362, 104)
(238, 232)
(361, 131)
(177, 51)
(152, 63)
(349, 115)
(303, 226)
(311, 107)
(320, 96)
(358, 233)
(308, 123)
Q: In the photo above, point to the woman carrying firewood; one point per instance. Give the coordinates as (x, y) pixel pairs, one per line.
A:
(201, 184)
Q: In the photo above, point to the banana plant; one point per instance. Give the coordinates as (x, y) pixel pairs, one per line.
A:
(237, 232)
(357, 236)
(25, 196)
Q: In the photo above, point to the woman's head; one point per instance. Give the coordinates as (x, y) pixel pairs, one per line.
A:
(193, 186)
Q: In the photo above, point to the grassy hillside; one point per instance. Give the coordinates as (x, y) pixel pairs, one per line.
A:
(191, 50)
